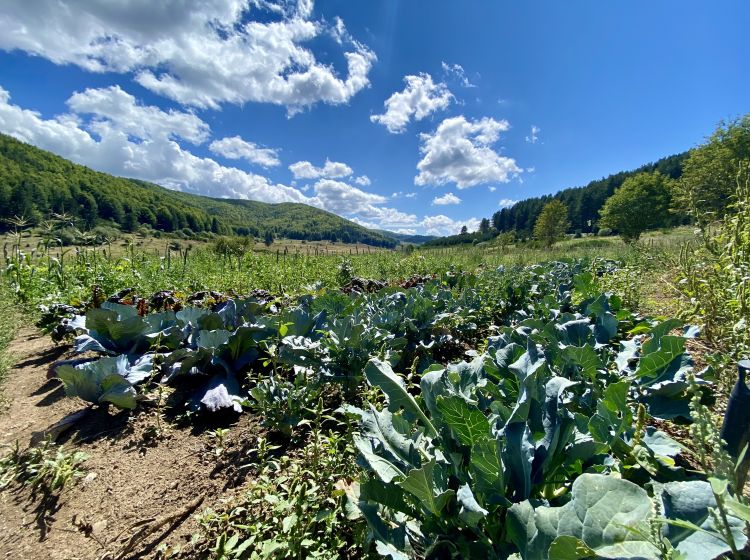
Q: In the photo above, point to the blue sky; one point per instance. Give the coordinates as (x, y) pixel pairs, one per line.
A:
(431, 115)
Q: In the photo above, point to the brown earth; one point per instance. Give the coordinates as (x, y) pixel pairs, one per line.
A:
(132, 480)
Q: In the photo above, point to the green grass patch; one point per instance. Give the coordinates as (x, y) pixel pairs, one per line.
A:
(9, 321)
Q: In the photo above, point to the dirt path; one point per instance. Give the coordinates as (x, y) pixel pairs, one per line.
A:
(129, 478)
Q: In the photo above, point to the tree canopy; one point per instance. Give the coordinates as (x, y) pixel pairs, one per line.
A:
(709, 176)
(640, 204)
(583, 203)
(552, 223)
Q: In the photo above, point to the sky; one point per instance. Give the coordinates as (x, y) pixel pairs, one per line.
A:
(416, 117)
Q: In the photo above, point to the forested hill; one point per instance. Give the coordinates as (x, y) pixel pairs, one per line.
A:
(583, 203)
(35, 183)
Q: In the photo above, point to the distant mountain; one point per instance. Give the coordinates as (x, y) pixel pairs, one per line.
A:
(406, 238)
(35, 183)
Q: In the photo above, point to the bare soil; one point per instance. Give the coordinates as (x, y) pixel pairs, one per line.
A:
(131, 478)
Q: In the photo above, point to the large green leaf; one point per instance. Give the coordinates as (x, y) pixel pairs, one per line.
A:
(605, 324)
(118, 391)
(558, 424)
(380, 374)
(385, 469)
(487, 470)
(570, 548)
(518, 456)
(651, 364)
(585, 358)
(423, 484)
(386, 494)
(99, 381)
(608, 514)
(466, 422)
(689, 501)
(379, 426)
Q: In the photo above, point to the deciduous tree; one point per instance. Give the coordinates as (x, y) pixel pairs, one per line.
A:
(552, 223)
(640, 204)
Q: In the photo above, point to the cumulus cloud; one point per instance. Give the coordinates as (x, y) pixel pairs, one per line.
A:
(534, 136)
(109, 131)
(460, 152)
(342, 198)
(506, 202)
(443, 225)
(446, 199)
(330, 170)
(363, 181)
(420, 98)
(213, 52)
(235, 147)
(115, 105)
(368, 210)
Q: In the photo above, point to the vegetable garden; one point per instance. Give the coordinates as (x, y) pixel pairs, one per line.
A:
(519, 411)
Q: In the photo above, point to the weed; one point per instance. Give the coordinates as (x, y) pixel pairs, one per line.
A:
(47, 467)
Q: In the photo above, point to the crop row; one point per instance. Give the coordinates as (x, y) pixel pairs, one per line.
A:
(539, 446)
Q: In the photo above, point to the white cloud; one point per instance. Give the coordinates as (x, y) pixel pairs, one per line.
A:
(114, 105)
(359, 206)
(446, 199)
(506, 202)
(492, 188)
(204, 54)
(443, 225)
(406, 231)
(534, 136)
(342, 198)
(367, 210)
(109, 131)
(420, 98)
(235, 147)
(365, 223)
(331, 170)
(457, 71)
(363, 181)
(459, 152)
(411, 195)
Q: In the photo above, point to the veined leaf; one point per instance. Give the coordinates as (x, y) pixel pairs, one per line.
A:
(651, 364)
(468, 423)
(488, 471)
(602, 514)
(686, 505)
(421, 483)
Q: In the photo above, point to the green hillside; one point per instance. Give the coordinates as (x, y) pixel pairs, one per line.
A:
(35, 183)
(584, 202)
